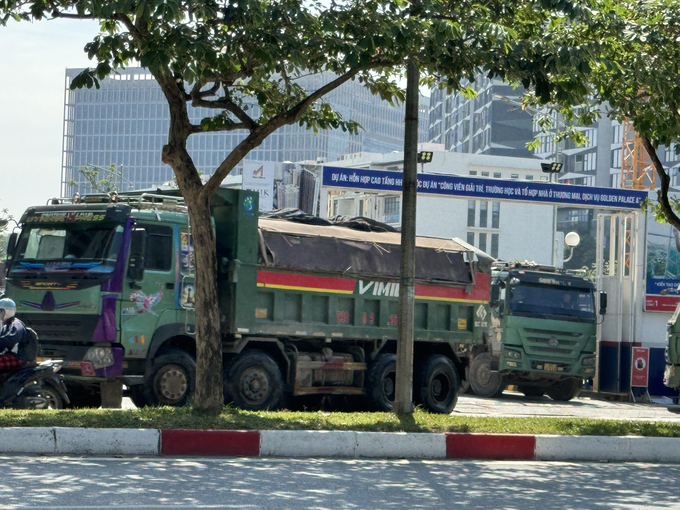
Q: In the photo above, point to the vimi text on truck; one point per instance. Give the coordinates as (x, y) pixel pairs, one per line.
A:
(106, 281)
(543, 336)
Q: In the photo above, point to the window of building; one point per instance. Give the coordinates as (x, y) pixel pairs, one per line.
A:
(590, 162)
(496, 175)
(471, 238)
(392, 205)
(485, 174)
(616, 158)
(483, 213)
(529, 177)
(471, 213)
(482, 241)
(473, 172)
(495, 214)
(494, 245)
(617, 134)
(514, 176)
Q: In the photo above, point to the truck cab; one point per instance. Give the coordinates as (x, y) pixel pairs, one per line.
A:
(544, 332)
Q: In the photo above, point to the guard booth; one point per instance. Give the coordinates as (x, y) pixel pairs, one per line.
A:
(639, 268)
(642, 290)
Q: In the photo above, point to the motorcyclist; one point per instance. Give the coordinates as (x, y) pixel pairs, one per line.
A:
(13, 339)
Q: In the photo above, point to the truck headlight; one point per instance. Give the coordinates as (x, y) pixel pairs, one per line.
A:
(512, 354)
(100, 357)
(588, 362)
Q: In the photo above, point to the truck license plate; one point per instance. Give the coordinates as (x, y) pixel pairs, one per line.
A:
(551, 367)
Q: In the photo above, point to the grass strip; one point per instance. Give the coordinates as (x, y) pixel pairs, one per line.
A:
(235, 419)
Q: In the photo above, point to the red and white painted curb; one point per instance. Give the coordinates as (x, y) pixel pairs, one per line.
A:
(336, 444)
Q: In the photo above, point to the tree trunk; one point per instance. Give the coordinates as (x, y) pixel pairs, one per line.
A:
(208, 336)
(665, 179)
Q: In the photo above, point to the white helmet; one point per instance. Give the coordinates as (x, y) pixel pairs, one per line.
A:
(7, 309)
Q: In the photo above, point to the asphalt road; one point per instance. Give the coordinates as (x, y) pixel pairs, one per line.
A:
(67, 483)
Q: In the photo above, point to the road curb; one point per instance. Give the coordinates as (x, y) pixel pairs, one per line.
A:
(336, 444)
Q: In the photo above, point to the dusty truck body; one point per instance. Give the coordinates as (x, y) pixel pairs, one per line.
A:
(304, 309)
(544, 333)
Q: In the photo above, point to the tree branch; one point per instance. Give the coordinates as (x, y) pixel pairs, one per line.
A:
(257, 135)
(662, 194)
(227, 104)
(231, 127)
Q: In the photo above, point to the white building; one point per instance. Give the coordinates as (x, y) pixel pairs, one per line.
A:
(505, 230)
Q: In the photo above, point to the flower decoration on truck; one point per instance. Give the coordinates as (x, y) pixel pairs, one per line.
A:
(144, 303)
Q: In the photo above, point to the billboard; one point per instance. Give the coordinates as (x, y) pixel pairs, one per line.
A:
(662, 290)
(489, 189)
(260, 177)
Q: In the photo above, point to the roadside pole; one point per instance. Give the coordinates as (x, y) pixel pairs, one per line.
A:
(403, 402)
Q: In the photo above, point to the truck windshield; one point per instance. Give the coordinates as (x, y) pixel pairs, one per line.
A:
(67, 247)
(552, 301)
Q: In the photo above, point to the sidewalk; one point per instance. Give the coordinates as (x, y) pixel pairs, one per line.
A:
(338, 444)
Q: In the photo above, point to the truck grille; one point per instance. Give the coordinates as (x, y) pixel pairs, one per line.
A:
(74, 329)
(558, 343)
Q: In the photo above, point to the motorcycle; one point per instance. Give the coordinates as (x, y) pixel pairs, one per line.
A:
(35, 386)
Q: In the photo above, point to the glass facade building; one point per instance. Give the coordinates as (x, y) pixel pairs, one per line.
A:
(124, 124)
(491, 123)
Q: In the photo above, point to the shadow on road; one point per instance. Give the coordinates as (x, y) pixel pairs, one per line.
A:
(316, 483)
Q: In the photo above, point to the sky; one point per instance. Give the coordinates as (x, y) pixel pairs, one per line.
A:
(33, 62)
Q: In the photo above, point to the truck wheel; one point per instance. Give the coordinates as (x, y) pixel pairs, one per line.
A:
(531, 391)
(436, 384)
(483, 381)
(381, 383)
(254, 382)
(173, 378)
(565, 390)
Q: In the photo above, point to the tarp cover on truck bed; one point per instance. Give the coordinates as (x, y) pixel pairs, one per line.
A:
(353, 253)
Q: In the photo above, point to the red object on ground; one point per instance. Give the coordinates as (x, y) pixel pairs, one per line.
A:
(490, 446)
(237, 443)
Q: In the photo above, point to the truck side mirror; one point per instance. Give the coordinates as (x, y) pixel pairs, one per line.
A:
(495, 295)
(603, 303)
(137, 249)
(12, 244)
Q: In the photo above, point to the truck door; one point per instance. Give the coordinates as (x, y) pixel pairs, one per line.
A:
(149, 291)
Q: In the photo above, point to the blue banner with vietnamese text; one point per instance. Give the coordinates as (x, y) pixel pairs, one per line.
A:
(490, 189)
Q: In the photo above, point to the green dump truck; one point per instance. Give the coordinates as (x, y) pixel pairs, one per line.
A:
(671, 375)
(305, 309)
(543, 332)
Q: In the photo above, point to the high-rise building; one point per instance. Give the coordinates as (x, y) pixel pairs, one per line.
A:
(491, 123)
(124, 124)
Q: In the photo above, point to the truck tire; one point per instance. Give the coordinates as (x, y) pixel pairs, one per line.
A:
(565, 390)
(254, 382)
(483, 381)
(173, 379)
(531, 391)
(436, 384)
(381, 383)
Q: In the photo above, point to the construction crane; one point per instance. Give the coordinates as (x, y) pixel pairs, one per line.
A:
(637, 171)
